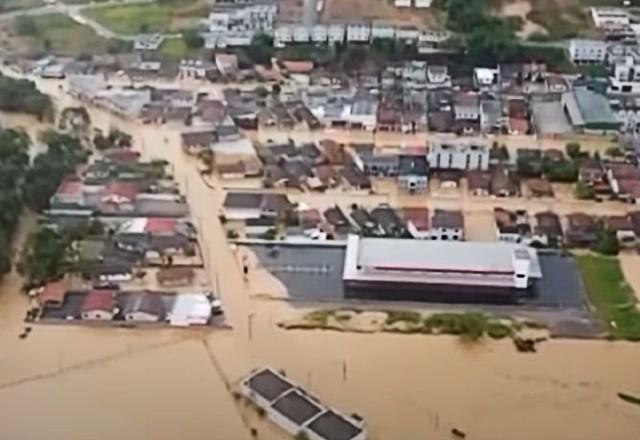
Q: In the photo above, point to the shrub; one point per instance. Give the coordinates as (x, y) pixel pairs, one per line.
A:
(394, 316)
(497, 330)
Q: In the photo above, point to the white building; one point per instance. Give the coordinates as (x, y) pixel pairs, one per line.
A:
(301, 34)
(438, 76)
(484, 77)
(422, 270)
(190, 309)
(358, 32)
(423, 3)
(587, 51)
(402, 3)
(381, 30)
(604, 17)
(626, 76)
(336, 33)
(458, 157)
(319, 33)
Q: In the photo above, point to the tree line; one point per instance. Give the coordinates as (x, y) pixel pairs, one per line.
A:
(21, 95)
(31, 185)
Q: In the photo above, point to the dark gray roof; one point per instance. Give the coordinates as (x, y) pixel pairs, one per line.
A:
(412, 165)
(331, 426)
(443, 218)
(243, 200)
(151, 303)
(268, 385)
(296, 407)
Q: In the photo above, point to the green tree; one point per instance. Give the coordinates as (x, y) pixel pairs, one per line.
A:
(260, 50)
(572, 149)
(192, 39)
(614, 151)
(583, 191)
(562, 171)
(606, 243)
(44, 258)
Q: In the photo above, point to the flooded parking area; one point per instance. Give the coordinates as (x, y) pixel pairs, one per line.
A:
(314, 273)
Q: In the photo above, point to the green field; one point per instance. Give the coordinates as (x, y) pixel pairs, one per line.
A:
(175, 49)
(14, 5)
(155, 17)
(59, 34)
(611, 295)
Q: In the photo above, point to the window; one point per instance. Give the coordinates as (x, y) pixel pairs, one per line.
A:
(520, 275)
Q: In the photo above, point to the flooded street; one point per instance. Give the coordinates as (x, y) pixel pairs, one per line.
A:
(81, 383)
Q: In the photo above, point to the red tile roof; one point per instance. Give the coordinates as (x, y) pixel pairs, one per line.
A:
(159, 225)
(53, 292)
(419, 217)
(99, 300)
(298, 66)
(70, 186)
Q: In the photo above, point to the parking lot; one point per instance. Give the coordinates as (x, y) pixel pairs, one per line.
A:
(314, 273)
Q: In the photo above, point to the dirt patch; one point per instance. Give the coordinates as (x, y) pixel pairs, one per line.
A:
(346, 10)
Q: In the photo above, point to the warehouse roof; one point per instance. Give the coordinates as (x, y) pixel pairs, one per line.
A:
(586, 107)
(432, 261)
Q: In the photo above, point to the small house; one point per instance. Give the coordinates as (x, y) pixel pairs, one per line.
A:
(447, 225)
(581, 230)
(99, 305)
(144, 307)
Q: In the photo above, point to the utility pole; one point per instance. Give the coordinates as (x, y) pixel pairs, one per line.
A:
(250, 324)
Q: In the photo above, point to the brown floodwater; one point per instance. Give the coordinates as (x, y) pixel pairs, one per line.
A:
(71, 382)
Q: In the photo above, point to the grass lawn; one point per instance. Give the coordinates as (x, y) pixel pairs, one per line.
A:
(611, 295)
(175, 49)
(154, 17)
(59, 34)
(14, 5)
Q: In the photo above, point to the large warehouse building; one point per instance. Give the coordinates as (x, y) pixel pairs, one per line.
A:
(443, 271)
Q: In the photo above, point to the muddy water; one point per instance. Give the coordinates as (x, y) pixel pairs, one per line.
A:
(100, 383)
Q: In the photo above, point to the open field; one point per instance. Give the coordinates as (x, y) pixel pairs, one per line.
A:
(175, 49)
(611, 295)
(346, 10)
(133, 19)
(58, 33)
(14, 5)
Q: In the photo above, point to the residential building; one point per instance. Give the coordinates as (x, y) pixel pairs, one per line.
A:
(358, 32)
(539, 187)
(587, 51)
(490, 115)
(417, 221)
(402, 3)
(417, 270)
(626, 76)
(190, 309)
(423, 3)
(99, 305)
(478, 183)
(144, 307)
(485, 78)
(604, 17)
(378, 165)
(547, 229)
(622, 226)
(246, 205)
(438, 76)
(458, 157)
(619, 174)
(581, 230)
(413, 173)
(512, 227)
(503, 182)
(466, 106)
(447, 225)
